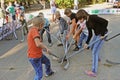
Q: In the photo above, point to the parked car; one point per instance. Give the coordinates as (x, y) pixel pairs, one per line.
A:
(116, 4)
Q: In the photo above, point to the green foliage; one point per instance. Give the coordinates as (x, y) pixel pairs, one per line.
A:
(64, 3)
(70, 3)
(100, 1)
(19, 0)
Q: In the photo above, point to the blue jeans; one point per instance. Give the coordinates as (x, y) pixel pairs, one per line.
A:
(82, 37)
(53, 10)
(37, 65)
(95, 52)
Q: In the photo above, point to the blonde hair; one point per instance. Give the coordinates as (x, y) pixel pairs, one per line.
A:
(67, 11)
(37, 21)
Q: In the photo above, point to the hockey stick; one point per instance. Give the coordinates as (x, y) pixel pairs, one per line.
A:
(71, 42)
(64, 56)
(67, 64)
(52, 54)
(60, 60)
(88, 46)
(112, 37)
(65, 50)
(52, 35)
(111, 62)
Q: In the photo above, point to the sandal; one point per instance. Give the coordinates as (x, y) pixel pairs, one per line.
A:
(90, 73)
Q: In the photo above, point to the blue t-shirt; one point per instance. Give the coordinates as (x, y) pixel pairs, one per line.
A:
(46, 24)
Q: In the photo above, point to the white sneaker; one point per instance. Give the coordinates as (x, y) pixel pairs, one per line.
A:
(22, 40)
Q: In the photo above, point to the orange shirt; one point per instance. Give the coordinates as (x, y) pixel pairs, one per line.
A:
(33, 50)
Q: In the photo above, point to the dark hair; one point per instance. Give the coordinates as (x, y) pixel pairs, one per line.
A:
(82, 14)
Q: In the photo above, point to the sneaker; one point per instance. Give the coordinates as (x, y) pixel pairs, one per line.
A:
(90, 73)
(52, 73)
(22, 40)
(76, 48)
(50, 44)
(60, 44)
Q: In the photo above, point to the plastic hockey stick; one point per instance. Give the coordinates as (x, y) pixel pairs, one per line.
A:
(71, 42)
(59, 60)
(52, 35)
(52, 54)
(88, 46)
(65, 50)
(67, 64)
(112, 37)
(111, 62)
(64, 57)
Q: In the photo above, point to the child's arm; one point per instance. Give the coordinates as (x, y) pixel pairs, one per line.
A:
(40, 44)
(78, 32)
(72, 29)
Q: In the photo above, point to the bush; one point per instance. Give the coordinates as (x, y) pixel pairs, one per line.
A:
(64, 3)
(70, 3)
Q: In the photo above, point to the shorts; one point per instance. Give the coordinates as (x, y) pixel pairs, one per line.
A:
(53, 10)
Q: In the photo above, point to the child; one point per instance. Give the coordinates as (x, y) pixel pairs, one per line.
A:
(35, 55)
(11, 10)
(63, 28)
(53, 9)
(99, 26)
(83, 32)
(74, 21)
(24, 27)
(46, 28)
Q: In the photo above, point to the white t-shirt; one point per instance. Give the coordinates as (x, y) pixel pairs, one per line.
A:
(83, 25)
(52, 3)
(76, 2)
